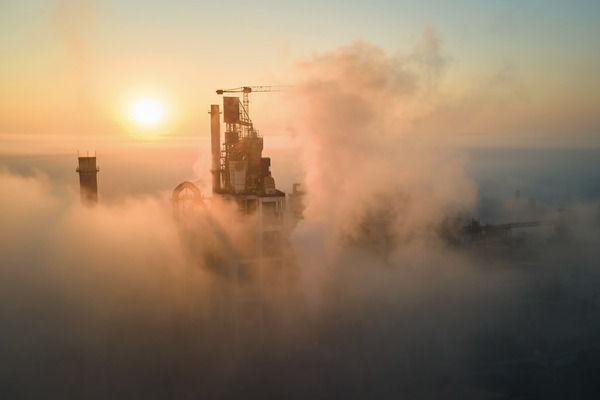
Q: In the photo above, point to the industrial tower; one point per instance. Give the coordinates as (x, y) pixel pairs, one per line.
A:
(88, 182)
(253, 263)
(241, 174)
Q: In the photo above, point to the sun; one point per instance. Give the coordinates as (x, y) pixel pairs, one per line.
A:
(147, 111)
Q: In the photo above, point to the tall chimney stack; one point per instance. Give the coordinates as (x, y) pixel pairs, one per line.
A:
(88, 183)
(215, 145)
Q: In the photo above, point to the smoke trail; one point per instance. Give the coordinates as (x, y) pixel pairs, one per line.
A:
(356, 105)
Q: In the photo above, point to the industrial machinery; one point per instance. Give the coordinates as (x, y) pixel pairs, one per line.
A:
(252, 257)
(474, 228)
(239, 169)
(459, 232)
(242, 174)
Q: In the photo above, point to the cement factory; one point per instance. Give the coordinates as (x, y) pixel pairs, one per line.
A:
(537, 322)
(260, 258)
(241, 175)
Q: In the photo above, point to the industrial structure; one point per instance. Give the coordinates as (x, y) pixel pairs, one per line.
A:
(88, 181)
(241, 176)
(456, 231)
(186, 198)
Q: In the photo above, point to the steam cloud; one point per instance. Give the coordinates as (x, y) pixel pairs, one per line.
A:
(356, 107)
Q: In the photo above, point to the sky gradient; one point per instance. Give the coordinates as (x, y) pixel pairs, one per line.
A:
(511, 68)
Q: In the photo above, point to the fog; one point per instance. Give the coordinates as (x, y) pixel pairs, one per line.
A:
(120, 301)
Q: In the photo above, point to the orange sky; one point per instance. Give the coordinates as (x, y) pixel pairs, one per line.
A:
(511, 72)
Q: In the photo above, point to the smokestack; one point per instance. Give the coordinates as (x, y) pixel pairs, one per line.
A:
(215, 145)
(88, 183)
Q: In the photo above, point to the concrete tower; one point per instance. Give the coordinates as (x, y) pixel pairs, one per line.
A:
(88, 183)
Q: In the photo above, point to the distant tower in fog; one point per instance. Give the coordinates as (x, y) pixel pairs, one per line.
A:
(88, 183)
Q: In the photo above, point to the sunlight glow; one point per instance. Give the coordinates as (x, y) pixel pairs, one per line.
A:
(148, 111)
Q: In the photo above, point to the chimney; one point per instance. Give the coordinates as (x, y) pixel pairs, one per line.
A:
(88, 183)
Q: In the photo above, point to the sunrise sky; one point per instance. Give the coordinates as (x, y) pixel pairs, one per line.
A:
(510, 68)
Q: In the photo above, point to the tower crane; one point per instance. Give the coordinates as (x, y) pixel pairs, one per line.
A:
(240, 166)
(245, 90)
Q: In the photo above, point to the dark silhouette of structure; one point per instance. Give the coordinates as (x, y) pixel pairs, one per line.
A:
(88, 182)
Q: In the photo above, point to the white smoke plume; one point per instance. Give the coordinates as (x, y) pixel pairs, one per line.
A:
(355, 108)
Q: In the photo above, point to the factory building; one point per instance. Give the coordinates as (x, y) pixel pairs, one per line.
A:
(241, 174)
(257, 261)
